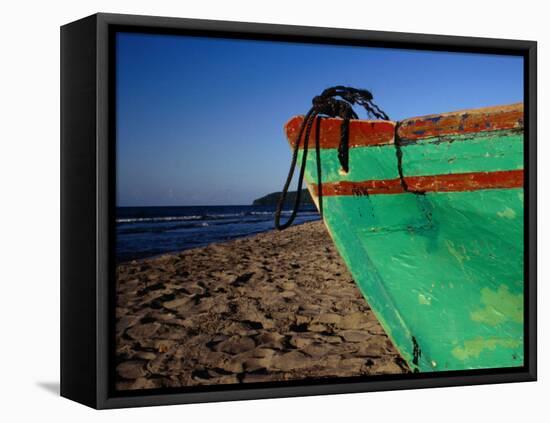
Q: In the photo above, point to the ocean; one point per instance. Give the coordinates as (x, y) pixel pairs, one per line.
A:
(150, 231)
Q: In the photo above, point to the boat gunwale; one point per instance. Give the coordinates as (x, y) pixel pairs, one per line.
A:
(363, 133)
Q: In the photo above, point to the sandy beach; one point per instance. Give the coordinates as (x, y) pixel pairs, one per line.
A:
(271, 307)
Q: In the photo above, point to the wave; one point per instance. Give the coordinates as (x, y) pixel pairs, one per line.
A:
(284, 212)
(156, 219)
(175, 227)
(126, 230)
(217, 216)
(176, 218)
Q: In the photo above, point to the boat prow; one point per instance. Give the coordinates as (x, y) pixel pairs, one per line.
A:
(429, 220)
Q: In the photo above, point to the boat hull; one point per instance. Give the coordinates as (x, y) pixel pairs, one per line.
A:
(438, 254)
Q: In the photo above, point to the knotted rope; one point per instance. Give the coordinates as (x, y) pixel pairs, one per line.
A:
(333, 102)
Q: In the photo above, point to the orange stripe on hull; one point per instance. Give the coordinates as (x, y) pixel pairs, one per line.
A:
(437, 183)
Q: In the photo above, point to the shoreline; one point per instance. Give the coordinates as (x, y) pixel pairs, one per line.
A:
(171, 253)
(274, 306)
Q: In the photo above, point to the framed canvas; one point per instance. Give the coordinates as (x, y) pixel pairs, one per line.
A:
(193, 269)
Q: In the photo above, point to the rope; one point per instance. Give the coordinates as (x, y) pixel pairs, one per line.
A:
(399, 156)
(333, 102)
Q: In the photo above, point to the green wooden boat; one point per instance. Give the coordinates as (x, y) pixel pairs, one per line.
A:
(438, 250)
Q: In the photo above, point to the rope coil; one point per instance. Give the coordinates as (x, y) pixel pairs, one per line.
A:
(334, 102)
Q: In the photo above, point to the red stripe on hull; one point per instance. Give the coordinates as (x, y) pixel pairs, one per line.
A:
(361, 132)
(437, 183)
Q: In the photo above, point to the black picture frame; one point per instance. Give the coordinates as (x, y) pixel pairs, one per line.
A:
(88, 198)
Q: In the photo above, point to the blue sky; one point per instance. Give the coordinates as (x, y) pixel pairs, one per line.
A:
(200, 120)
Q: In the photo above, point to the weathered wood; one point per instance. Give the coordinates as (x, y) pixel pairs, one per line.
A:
(363, 133)
(462, 122)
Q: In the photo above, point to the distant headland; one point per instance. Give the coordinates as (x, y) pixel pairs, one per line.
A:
(273, 198)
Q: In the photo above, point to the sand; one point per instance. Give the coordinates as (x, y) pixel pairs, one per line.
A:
(272, 307)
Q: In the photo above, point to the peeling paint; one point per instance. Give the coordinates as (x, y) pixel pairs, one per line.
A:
(499, 307)
(424, 300)
(507, 213)
(474, 347)
(460, 256)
